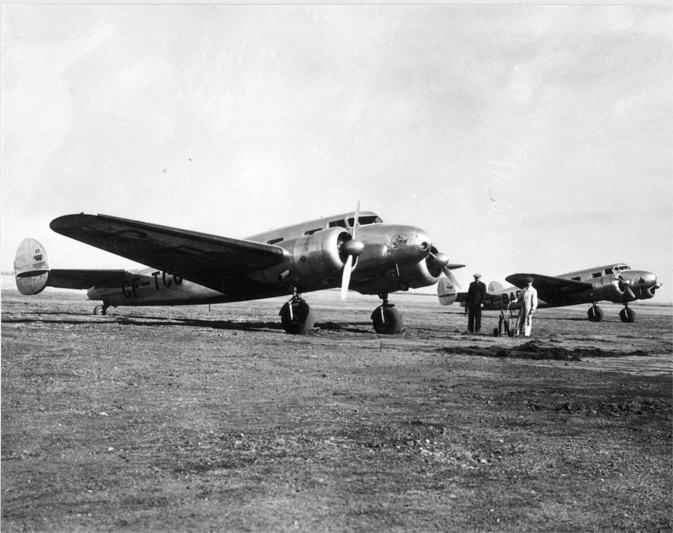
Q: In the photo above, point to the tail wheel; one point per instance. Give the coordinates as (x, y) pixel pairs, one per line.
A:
(595, 314)
(100, 310)
(298, 318)
(627, 315)
(387, 320)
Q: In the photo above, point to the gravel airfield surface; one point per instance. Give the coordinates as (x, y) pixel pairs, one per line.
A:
(214, 419)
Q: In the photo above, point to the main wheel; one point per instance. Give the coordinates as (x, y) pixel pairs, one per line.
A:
(301, 320)
(387, 320)
(627, 315)
(595, 314)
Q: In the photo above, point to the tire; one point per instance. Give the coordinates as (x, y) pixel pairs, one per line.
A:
(387, 320)
(595, 314)
(99, 310)
(627, 315)
(302, 319)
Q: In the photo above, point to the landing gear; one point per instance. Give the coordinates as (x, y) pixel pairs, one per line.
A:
(595, 314)
(297, 316)
(627, 314)
(387, 320)
(101, 309)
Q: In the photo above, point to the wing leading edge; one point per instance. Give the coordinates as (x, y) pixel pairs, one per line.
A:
(199, 257)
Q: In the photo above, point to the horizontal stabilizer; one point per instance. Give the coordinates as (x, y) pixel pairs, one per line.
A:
(31, 267)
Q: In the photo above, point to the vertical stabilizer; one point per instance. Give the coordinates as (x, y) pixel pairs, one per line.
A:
(494, 286)
(446, 291)
(31, 267)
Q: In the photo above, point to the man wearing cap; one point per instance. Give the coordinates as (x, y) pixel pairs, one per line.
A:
(476, 295)
(528, 299)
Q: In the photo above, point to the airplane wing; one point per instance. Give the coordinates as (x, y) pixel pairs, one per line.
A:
(85, 279)
(549, 288)
(209, 260)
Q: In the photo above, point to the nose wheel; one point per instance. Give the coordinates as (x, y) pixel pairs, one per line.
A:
(387, 320)
(296, 315)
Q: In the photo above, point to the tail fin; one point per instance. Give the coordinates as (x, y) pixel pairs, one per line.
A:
(31, 267)
(446, 291)
(494, 286)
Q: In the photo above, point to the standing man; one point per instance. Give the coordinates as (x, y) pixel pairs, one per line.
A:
(476, 295)
(528, 299)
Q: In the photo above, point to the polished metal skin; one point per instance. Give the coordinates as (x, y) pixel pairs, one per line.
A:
(353, 250)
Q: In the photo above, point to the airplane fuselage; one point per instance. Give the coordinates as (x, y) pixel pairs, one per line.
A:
(395, 257)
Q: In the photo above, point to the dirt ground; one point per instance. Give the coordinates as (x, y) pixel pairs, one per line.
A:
(198, 419)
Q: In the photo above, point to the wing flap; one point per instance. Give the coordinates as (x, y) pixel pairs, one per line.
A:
(192, 255)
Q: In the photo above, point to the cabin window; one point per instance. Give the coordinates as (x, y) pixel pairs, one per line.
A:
(312, 231)
(274, 241)
(576, 279)
(609, 271)
(335, 223)
(596, 274)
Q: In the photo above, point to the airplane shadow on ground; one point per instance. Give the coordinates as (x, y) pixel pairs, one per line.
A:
(182, 322)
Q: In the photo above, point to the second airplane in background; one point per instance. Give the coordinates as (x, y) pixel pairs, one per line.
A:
(616, 283)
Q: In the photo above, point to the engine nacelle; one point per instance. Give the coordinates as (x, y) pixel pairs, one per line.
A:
(613, 292)
(401, 279)
(422, 274)
(308, 259)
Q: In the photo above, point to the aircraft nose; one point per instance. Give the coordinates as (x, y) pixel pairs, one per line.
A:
(643, 280)
(410, 240)
(421, 239)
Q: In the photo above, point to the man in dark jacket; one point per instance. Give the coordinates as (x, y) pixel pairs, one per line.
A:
(476, 295)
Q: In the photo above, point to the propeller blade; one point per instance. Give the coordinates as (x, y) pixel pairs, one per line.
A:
(346, 279)
(353, 248)
(628, 291)
(451, 277)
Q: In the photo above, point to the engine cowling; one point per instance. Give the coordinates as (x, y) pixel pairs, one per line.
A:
(309, 259)
(613, 292)
(422, 274)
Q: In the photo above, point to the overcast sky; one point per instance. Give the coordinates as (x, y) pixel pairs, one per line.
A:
(521, 138)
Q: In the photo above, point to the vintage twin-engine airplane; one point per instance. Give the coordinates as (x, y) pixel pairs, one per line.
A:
(353, 251)
(615, 283)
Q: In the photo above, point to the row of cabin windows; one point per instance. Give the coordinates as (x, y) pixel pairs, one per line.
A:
(606, 272)
(362, 221)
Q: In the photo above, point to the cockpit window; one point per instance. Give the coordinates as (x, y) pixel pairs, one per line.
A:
(364, 220)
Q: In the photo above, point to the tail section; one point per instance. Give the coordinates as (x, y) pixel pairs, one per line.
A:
(446, 291)
(494, 286)
(31, 267)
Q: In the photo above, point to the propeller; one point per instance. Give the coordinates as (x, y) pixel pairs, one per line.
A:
(625, 285)
(450, 275)
(352, 248)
